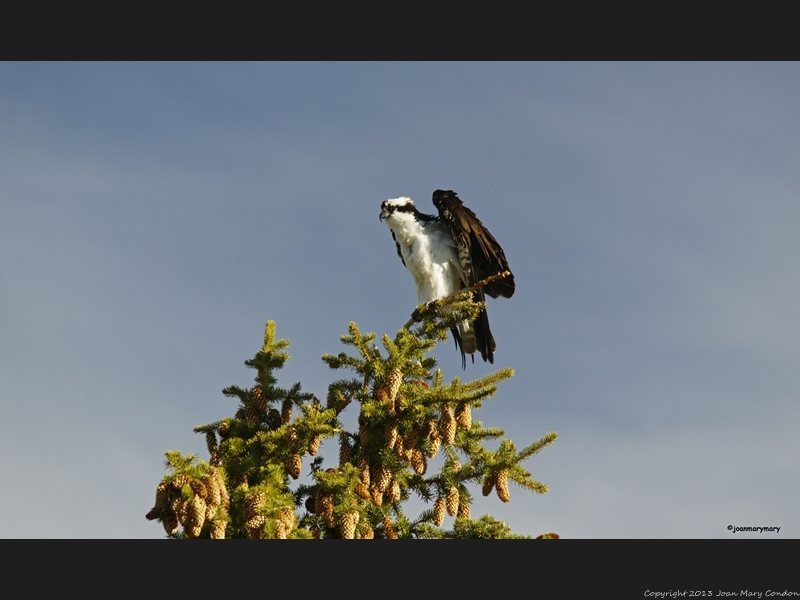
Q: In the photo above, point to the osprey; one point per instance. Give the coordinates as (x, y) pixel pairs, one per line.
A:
(446, 254)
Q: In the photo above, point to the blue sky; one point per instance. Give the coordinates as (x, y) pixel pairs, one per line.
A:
(154, 216)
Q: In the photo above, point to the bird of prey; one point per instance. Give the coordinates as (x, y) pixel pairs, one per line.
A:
(446, 254)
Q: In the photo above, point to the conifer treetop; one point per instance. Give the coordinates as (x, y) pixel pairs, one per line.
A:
(407, 416)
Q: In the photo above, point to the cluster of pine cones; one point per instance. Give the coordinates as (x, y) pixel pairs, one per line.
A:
(207, 502)
(192, 503)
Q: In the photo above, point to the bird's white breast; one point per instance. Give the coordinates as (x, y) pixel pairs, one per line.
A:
(430, 255)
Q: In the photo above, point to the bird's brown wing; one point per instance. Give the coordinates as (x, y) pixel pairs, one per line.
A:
(470, 234)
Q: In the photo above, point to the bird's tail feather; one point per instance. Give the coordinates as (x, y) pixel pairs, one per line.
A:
(483, 337)
(472, 336)
(469, 344)
(475, 336)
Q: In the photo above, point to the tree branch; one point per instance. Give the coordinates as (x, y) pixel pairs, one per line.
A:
(416, 316)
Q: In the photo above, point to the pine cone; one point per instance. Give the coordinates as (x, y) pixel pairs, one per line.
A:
(162, 501)
(399, 448)
(348, 525)
(198, 488)
(394, 493)
(211, 512)
(363, 431)
(152, 514)
(224, 429)
(367, 533)
(502, 486)
(392, 386)
(219, 484)
(314, 443)
(431, 426)
(316, 532)
(218, 529)
(294, 441)
(255, 526)
(418, 461)
(390, 435)
(259, 401)
(294, 465)
(286, 411)
(193, 532)
(253, 502)
(412, 438)
(376, 495)
(211, 441)
(311, 504)
(464, 417)
(181, 509)
(214, 485)
(196, 513)
(214, 495)
(284, 523)
(388, 529)
(488, 484)
(438, 511)
(345, 452)
(170, 522)
(362, 490)
(251, 414)
(286, 516)
(452, 501)
(280, 531)
(463, 511)
(180, 481)
(363, 466)
(325, 508)
(448, 425)
(382, 477)
(435, 441)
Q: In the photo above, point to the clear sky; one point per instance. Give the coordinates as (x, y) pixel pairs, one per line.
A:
(153, 217)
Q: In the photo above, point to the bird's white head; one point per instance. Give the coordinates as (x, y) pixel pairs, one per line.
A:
(395, 210)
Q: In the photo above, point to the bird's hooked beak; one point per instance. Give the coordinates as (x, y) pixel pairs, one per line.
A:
(384, 214)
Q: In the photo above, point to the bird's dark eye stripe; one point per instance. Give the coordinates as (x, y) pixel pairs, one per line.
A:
(409, 208)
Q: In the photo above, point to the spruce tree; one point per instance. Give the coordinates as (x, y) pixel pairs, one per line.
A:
(407, 415)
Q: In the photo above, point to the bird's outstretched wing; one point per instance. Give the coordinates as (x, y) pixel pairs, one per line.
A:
(471, 236)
